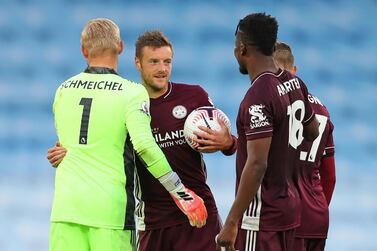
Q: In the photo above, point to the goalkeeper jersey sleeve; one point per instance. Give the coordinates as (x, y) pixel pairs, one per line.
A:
(138, 124)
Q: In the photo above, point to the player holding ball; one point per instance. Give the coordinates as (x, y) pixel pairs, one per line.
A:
(159, 220)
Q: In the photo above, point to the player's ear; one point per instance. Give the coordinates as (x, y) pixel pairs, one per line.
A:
(120, 48)
(243, 49)
(84, 52)
(294, 70)
(137, 63)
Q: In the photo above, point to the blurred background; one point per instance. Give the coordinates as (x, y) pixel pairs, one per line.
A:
(335, 45)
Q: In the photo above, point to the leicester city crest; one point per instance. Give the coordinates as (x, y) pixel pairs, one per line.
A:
(179, 112)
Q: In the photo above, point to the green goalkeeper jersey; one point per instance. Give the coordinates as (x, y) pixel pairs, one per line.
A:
(102, 119)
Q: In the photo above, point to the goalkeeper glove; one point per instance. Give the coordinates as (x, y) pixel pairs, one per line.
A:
(187, 201)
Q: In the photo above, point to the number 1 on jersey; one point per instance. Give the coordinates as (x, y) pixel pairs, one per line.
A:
(87, 103)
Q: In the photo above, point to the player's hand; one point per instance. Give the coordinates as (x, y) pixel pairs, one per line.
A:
(226, 238)
(56, 154)
(191, 205)
(211, 141)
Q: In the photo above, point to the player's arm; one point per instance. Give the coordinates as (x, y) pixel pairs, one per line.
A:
(251, 179)
(230, 150)
(211, 140)
(328, 177)
(327, 166)
(56, 153)
(311, 131)
(310, 122)
(138, 125)
(187, 201)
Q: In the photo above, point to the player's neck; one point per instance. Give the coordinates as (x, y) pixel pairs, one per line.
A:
(263, 64)
(108, 61)
(155, 93)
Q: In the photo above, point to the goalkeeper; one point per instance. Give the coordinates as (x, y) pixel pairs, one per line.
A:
(102, 119)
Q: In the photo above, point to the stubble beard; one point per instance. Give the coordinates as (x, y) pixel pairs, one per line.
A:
(243, 70)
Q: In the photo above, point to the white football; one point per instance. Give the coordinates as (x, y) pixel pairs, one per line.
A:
(206, 116)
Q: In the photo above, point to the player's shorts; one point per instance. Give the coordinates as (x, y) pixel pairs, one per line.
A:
(248, 240)
(66, 236)
(309, 244)
(181, 237)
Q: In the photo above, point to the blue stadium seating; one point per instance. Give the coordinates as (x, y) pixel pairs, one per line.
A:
(335, 44)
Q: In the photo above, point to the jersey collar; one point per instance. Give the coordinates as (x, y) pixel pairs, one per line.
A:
(277, 74)
(100, 70)
(164, 96)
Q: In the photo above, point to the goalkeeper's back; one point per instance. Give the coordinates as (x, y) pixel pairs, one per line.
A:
(96, 112)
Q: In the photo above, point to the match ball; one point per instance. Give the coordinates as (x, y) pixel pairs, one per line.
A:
(206, 116)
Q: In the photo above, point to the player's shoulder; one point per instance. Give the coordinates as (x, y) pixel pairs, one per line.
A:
(76, 76)
(193, 94)
(184, 89)
(271, 77)
(320, 108)
(269, 80)
(132, 87)
(187, 87)
(318, 105)
(130, 83)
(302, 82)
(264, 85)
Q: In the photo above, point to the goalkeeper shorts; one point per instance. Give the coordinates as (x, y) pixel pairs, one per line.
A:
(66, 236)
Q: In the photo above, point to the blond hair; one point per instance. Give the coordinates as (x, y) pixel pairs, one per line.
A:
(283, 56)
(100, 34)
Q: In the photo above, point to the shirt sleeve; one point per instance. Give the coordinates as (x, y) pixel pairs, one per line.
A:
(138, 125)
(56, 99)
(204, 99)
(55, 103)
(328, 177)
(257, 113)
